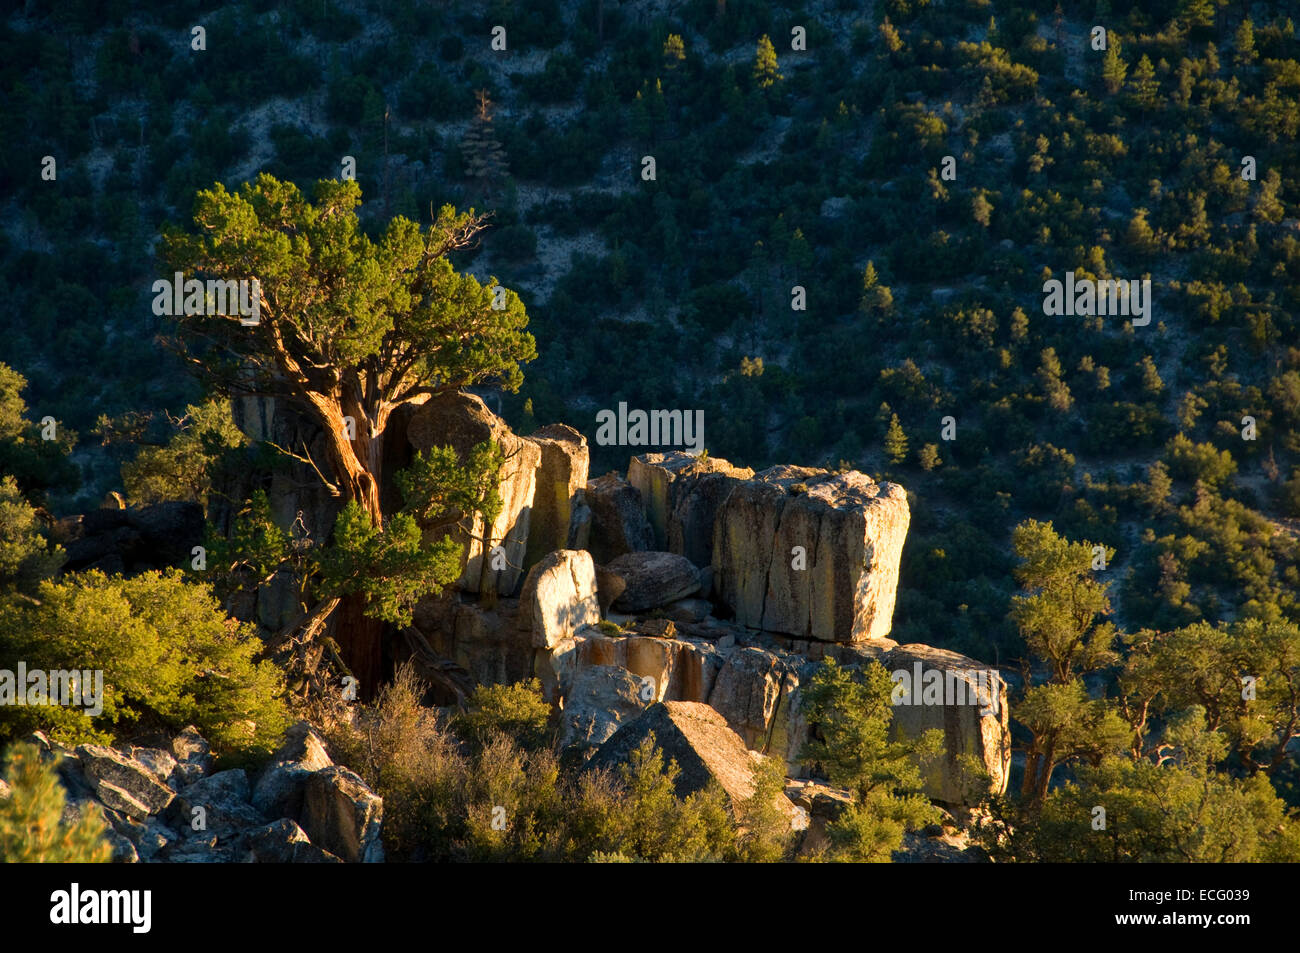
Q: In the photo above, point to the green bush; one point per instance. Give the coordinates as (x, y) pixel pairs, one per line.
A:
(169, 656)
(32, 827)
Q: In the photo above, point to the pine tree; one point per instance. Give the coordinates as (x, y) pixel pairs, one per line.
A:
(895, 441)
(856, 749)
(674, 51)
(876, 298)
(32, 829)
(890, 38)
(1268, 208)
(485, 159)
(1113, 69)
(1244, 41)
(765, 65)
(1139, 236)
(929, 457)
(1144, 84)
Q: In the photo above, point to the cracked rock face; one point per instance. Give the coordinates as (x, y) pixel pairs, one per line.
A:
(805, 553)
(462, 421)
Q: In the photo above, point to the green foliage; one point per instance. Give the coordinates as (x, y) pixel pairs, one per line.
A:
(439, 486)
(1113, 67)
(35, 464)
(895, 441)
(516, 711)
(255, 543)
(169, 655)
(395, 309)
(1059, 613)
(390, 565)
(26, 556)
(852, 745)
(490, 800)
(1202, 462)
(1182, 811)
(766, 69)
(1242, 677)
(32, 828)
(763, 827)
(184, 469)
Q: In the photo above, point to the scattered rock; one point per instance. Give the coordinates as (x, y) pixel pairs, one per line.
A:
(107, 767)
(653, 579)
(282, 784)
(283, 842)
(224, 802)
(342, 815)
(190, 747)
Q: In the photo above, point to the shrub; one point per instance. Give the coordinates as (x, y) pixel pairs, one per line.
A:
(169, 655)
(32, 828)
(517, 711)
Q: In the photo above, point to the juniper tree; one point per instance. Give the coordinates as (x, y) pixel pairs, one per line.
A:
(1061, 615)
(853, 746)
(674, 51)
(351, 329)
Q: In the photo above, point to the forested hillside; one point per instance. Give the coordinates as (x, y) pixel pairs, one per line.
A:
(829, 226)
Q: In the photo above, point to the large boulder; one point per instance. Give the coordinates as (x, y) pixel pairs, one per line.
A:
(653, 579)
(681, 494)
(217, 805)
(131, 786)
(559, 511)
(600, 699)
(463, 421)
(559, 597)
(809, 554)
(618, 523)
(746, 693)
(698, 739)
(964, 699)
(282, 784)
(342, 815)
(193, 756)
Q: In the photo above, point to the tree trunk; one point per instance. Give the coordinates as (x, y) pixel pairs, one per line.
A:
(354, 436)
